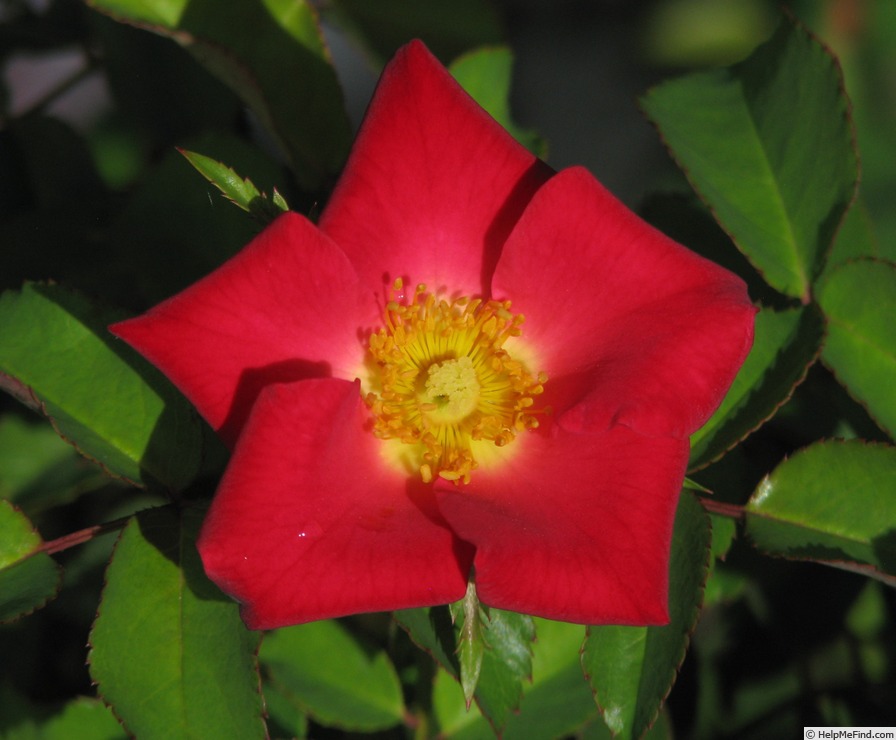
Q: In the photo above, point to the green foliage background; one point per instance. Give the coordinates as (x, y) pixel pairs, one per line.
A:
(783, 605)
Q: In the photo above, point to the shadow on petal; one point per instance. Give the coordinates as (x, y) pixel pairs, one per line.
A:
(253, 381)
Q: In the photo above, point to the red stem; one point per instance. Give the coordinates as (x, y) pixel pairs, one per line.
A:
(732, 511)
(82, 536)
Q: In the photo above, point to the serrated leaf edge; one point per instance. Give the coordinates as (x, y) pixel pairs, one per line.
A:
(36, 551)
(782, 402)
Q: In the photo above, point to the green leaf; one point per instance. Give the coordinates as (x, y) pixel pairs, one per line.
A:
(285, 718)
(722, 584)
(101, 396)
(38, 469)
(432, 629)
(632, 669)
(859, 301)
(158, 257)
(470, 645)
(559, 700)
(84, 719)
(273, 55)
(240, 191)
(786, 343)
(168, 650)
(486, 75)
(556, 703)
(454, 718)
(827, 503)
(29, 578)
(767, 144)
(323, 669)
(854, 239)
(506, 662)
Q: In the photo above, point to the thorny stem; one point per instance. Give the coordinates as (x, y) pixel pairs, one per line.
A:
(82, 536)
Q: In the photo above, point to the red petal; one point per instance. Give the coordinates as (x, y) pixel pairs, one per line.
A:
(433, 185)
(285, 308)
(575, 527)
(628, 324)
(310, 523)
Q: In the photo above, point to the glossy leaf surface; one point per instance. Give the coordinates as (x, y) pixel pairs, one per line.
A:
(174, 660)
(830, 502)
(632, 669)
(100, 395)
(859, 302)
(506, 664)
(28, 578)
(778, 183)
(323, 669)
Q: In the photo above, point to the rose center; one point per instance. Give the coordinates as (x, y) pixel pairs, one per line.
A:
(444, 383)
(453, 387)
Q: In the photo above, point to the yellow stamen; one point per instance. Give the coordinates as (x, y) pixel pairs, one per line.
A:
(444, 380)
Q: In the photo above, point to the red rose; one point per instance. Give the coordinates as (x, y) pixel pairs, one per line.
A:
(470, 365)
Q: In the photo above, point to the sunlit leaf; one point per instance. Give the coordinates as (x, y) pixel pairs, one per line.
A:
(240, 191)
(28, 577)
(168, 650)
(113, 406)
(767, 144)
(829, 503)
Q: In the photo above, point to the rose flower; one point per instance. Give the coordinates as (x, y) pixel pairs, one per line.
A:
(472, 367)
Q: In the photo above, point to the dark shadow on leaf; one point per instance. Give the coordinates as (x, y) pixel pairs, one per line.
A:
(174, 450)
(245, 45)
(884, 547)
(173, 531)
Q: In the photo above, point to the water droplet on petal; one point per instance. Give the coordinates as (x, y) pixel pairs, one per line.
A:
(310, 530)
